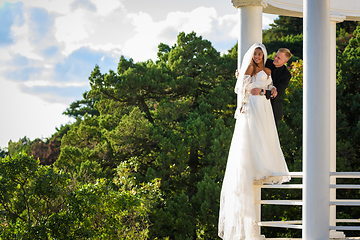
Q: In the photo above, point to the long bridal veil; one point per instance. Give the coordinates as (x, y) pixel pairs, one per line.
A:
(237, 207)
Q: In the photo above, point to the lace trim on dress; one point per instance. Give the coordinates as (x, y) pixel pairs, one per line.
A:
(244, 94)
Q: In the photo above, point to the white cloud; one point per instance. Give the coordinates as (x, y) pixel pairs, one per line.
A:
(200, 20)
(22, 45)
(44, 83)
(57, 6)
(24, 48)
(142, 45)
(114, 50)
(4, 55)
(72, 28)
(103, 29)
(203, 21)
(106, 7)
(27, 115)
(230, 25)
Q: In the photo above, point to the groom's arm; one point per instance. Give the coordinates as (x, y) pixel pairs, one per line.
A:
(283, 84)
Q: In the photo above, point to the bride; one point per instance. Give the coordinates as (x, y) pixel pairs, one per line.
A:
(255, 152)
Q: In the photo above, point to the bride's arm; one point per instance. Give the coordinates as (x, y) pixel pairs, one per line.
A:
(269, 81)
(243, 96)
(271, 87)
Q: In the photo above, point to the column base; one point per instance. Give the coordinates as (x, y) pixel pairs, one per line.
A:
(336, 234)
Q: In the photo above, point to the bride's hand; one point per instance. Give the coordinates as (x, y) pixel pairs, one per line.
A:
(237, 74)
(255, 91)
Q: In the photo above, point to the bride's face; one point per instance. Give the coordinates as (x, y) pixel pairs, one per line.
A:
(258, 56)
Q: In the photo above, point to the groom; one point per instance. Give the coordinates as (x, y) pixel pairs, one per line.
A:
(281, 78)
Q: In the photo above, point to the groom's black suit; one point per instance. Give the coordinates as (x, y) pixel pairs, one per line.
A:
(281, 78)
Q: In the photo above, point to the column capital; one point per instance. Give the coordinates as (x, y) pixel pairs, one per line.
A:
(337, 17)
(245, 3)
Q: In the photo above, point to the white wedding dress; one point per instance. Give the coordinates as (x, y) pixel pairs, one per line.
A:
(254, 155)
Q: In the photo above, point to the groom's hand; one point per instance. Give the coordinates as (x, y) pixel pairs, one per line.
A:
(273, 92)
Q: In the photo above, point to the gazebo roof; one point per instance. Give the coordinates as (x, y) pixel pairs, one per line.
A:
(348, 10)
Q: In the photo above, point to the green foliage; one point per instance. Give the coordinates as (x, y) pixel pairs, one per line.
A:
(286, 32)
(290, 129)
(292, 42)
(29, 196)
(46, 150)
(23, 144)
(284, 26)
(80, 108)
(348, 122)
(3, 153)
(40, 202)
(348, 88)
(344, 32)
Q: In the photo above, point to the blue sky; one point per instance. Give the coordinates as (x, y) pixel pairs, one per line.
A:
(48, 49)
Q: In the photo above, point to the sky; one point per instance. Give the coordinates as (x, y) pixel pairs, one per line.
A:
(48, 49)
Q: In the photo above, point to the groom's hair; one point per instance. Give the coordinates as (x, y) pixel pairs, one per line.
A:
(286, 51)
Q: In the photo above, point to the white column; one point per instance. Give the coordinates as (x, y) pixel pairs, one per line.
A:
(333, 20)
(250, 25)
(316, 121)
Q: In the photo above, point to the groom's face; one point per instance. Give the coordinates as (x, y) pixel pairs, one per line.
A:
(280, 59)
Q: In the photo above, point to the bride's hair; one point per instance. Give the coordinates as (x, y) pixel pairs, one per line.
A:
(254, 63)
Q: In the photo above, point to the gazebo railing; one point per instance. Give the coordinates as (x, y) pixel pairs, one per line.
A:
(345, 202)
(297, 224)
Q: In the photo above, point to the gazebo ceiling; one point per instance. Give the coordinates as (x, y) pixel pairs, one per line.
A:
(347, 9)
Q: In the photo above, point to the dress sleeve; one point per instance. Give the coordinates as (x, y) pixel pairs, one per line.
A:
(259, 84)
(269, 83)
(243, 92)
